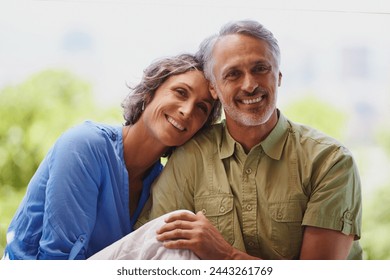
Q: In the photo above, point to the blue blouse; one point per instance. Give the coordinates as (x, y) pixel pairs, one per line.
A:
(77, 202)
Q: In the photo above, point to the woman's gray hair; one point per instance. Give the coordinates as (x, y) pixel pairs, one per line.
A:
(154, 76)
(247, 27)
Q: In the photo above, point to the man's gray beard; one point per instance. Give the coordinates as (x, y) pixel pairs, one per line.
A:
(245, 119)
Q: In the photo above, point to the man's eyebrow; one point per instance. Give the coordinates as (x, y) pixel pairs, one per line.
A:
(261, 61)
(236, 66)
(228, 69)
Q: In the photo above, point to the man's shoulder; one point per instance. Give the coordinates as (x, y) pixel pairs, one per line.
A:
(205, 142)
(313, 142)
(309, 134)
(208, 137)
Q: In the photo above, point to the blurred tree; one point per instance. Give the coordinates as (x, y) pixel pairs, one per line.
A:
(32, 116)
(376, 226)
(323, 116)
(34, 113)
(376, 214)
(383, 136)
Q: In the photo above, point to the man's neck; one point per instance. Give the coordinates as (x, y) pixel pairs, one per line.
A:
(250, 136)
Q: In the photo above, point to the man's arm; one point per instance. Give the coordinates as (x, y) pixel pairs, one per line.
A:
(325, 244)
(196, 233)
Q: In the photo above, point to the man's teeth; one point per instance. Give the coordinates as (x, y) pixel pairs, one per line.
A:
(175, 123)
(251, 101)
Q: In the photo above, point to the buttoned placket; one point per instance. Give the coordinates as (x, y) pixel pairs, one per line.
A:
(249, 200)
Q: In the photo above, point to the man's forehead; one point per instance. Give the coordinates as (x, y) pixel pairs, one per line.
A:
(240, 43)
(238, 48)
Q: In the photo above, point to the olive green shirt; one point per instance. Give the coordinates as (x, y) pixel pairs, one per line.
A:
(262, 200)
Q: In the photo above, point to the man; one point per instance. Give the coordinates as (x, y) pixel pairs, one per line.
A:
(262, 187)
(272, 188)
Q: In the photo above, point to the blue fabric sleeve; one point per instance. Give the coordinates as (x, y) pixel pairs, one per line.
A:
(71, 195)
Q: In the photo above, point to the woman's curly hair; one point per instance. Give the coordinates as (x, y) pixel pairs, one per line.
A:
(154, 76)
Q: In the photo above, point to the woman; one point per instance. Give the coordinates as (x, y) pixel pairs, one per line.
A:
(90, 188)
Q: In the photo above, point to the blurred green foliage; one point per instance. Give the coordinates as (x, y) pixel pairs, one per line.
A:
(376, 225)
(383, 137)
(376, 209)
(32, 116)
(34, 113)
(9, 201)
(312, 111)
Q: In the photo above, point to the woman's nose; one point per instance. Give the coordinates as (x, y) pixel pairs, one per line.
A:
(186, 109)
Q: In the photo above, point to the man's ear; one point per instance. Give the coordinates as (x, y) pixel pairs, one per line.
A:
(280, 79)
(213, 91)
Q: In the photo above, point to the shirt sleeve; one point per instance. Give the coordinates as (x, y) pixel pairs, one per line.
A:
(71, 196)
(335, 201)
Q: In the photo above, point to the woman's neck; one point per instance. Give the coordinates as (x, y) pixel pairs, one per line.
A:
(140, 150)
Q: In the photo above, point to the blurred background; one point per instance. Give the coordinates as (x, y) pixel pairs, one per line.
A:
(62, 62)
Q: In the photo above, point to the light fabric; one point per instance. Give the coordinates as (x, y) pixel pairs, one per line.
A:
(143, 245)
(262, 200)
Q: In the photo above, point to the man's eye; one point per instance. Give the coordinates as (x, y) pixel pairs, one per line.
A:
(261, 69)
(232, 75)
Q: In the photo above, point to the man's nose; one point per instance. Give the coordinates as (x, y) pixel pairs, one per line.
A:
(249, 83)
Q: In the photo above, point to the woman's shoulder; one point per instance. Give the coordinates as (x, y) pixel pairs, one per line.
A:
(88, 135)
(92, 131)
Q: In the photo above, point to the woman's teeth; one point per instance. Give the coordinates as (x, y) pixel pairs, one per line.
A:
(175, 123)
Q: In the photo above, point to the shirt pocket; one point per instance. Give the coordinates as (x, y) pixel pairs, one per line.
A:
(219, 211)
(286, 228)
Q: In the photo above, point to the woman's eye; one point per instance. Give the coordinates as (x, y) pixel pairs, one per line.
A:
(204, 108)
(181, 91)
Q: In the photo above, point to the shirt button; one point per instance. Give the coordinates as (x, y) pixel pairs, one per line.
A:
(248, 171)
(222, 209)
(249, 207)
(251, 244)
(279, 216)
(204, 211)
(348, 215)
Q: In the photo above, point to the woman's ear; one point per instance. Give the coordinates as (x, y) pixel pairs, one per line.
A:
(147, 99)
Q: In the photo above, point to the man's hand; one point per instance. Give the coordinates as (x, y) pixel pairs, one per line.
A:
(196, 233)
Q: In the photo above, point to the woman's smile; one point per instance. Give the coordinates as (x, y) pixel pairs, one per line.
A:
(175, 123)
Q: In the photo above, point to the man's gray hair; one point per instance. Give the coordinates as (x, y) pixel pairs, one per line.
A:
(247, 27)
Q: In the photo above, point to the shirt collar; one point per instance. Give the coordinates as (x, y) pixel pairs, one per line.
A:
(272, 145)
(226, 147)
